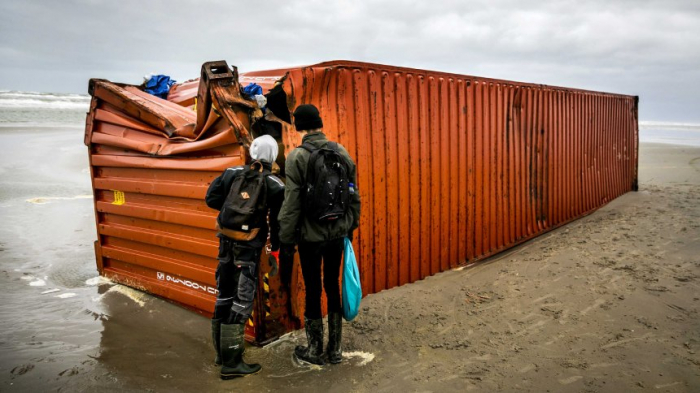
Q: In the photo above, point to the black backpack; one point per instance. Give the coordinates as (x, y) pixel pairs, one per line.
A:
(244, 209)
(327, 193)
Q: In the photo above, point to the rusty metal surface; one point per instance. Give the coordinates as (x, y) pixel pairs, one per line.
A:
(184, 93)
(455, 168)
(451, 169)
(151, 163)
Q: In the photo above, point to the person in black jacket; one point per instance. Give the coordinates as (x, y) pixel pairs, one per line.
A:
(236, 275)
(318, 240)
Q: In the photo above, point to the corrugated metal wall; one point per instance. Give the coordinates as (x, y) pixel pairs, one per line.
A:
(454, 168)
(155, 231)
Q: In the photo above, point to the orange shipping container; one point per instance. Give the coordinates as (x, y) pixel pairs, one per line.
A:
(451, 169)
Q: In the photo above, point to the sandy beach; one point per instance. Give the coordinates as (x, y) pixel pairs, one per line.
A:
(608, 303)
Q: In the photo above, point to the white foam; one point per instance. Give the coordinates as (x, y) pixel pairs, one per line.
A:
(97, 281)
(38, 283)
(283, 338)
(27, 278)
(137, 296)
(51, 291)
(301, 368)
(44, 200)
(66, 295)
(365, 357)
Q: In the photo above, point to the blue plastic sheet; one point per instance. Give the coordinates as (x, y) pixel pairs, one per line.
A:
(159, 85)
(252, 90)
(352, 288)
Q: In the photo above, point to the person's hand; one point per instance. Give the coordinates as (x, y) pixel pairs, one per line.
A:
(272, 259)
(286, 258)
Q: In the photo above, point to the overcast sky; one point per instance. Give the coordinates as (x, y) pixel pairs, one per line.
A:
(637, 47)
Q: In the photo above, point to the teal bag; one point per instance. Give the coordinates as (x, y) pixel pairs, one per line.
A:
(352, 289)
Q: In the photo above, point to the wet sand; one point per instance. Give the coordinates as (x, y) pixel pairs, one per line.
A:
(608, 303)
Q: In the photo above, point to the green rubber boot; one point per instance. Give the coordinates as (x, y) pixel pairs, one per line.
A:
(232, 348)
(335, 335)
(313, 353)
(215, 338)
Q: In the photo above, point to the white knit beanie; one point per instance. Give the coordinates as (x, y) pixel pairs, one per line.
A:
(264, 148)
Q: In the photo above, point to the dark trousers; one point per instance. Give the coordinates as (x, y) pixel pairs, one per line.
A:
(236, 280)
(311, 255)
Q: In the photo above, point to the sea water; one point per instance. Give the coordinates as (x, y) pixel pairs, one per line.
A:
(670, 133)
(27, 109)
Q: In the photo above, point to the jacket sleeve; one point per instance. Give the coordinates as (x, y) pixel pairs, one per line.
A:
(216, 194)
(291, 207)
(275, 204)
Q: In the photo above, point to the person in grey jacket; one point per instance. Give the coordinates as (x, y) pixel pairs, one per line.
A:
(318, 241)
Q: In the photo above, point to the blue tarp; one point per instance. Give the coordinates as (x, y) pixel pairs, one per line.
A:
(252, 90)
(159, 85)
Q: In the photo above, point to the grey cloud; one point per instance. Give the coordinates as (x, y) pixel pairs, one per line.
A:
(649, 48)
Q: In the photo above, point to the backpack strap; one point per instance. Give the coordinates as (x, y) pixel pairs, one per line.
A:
(256, 166)
(309, 165)
(308, 147)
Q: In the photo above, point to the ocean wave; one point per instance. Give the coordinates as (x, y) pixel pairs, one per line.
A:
(17, 93)
(36, 104)
(34, 100)
(661, 124)
(39, 125)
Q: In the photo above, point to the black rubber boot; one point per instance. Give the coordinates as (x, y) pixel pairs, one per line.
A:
(215, 338)
(232, 348)
(313, 353)
(335, 335)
